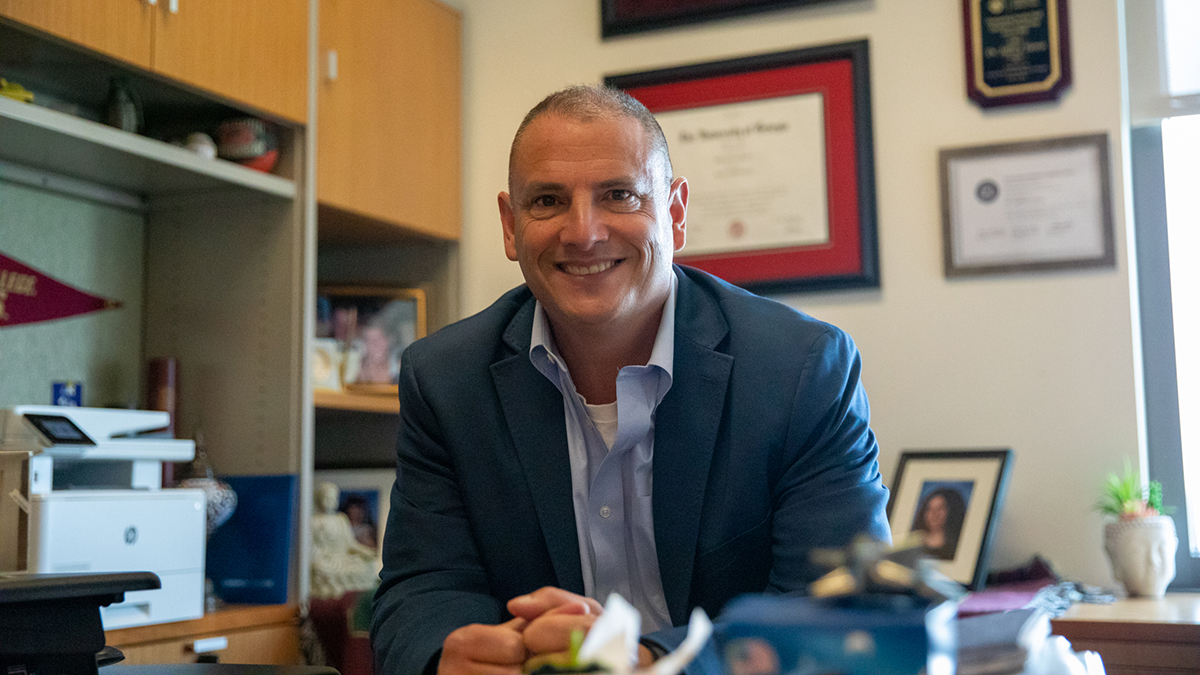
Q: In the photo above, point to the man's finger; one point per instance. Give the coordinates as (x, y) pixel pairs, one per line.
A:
(478, 648)
(547, 598)
(552, 632)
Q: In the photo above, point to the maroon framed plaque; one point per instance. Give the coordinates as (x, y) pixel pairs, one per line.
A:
(778, 153)
(1017, 51)
(619, 17)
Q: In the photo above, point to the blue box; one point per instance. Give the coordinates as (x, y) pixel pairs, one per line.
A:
(249, 556)
(769, 635)
(67, 394)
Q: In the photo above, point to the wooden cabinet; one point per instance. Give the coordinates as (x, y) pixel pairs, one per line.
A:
(244, 634)
(389, 113)
(255, 52)
(1138, 636)
(119, 28)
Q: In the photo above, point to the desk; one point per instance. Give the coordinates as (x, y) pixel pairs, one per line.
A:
(1147, 637)
(254, 634)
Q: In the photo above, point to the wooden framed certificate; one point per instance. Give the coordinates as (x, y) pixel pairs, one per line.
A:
(1032, 205)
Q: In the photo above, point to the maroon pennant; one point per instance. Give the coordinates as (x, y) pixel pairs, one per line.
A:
(29, 296)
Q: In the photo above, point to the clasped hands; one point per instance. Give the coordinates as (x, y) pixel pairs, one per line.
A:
(542, 624)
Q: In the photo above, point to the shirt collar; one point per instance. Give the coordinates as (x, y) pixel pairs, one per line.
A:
(541, 343)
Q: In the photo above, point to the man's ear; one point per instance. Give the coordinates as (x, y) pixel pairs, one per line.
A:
(509, 222)
(678, 210)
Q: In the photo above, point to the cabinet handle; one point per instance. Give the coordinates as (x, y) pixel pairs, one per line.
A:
(212, 644)
(173, 5)
(332, 69)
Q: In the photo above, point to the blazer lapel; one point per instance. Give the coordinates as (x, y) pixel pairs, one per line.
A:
(685, 435)
(533, 408)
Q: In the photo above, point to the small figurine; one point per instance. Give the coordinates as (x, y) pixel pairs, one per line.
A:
(340, 564)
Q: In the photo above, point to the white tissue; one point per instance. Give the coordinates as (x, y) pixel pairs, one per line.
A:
(613, 640)
(699, 630)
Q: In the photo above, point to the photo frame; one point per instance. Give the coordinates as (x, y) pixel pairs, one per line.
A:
(620, 17)
(365, 498)
(779, 156)
(951, 500)
(368, 326)
(1027, 206)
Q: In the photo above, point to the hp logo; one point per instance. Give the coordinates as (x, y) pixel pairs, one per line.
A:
(130, 535)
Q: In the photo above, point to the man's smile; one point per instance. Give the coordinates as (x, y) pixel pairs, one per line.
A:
(583, 270)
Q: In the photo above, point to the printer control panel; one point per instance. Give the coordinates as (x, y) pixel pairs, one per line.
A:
(59, 430)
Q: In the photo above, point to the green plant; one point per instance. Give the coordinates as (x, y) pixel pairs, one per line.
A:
(1124, 497)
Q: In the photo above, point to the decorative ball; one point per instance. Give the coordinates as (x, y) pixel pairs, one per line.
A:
(248, 141)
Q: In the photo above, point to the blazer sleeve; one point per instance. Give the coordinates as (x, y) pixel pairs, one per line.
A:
(426, 591)
(828, 488)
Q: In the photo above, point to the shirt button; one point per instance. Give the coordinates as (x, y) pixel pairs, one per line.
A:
(605, 512)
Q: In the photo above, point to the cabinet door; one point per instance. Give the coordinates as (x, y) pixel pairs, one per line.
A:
(388, 142)
(250, 51)
(118, 28)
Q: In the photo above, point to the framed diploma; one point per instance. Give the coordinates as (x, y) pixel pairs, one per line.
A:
(618, 17)
(778, 154)
(1035, 205)
(1017, 50)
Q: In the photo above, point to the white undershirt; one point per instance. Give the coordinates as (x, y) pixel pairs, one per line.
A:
(604, 416)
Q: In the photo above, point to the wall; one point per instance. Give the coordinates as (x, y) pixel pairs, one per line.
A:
(1042, 363)
(94, 247)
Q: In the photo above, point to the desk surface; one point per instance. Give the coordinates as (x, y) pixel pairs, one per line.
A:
(1175, 608)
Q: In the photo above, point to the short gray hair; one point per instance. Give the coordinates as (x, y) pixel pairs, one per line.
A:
(586, 103)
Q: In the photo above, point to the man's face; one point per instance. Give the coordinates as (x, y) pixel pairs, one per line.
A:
(593, 221)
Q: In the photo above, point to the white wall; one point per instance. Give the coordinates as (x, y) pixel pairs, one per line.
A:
(1042, 363)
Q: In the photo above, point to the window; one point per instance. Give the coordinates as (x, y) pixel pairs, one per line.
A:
(1169, 382)
(1181, 174)
(1164, 84)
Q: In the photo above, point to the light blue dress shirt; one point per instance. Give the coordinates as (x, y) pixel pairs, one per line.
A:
(612, 489)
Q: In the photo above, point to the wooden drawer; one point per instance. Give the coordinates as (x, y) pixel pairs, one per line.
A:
(265, 635)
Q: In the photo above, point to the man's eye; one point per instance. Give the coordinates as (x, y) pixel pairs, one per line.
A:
(621, 195)
(545, 201)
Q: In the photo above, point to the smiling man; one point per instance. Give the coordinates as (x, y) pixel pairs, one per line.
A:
(617, 424)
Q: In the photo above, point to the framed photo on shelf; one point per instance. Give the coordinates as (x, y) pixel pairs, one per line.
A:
(619, 17)
(1027, 206)
(370, 326)
(951, 500)
(777, 149)
(364, 496)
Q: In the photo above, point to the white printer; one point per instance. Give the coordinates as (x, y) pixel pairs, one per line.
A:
(82, 492)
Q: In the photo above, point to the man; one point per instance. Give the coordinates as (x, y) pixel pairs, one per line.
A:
(618, 424)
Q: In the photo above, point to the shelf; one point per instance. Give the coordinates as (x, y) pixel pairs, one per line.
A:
(59, 143)
(359, 402)
(340, 226)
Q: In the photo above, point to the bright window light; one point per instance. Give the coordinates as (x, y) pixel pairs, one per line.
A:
(1181, 25)
(1181, 168)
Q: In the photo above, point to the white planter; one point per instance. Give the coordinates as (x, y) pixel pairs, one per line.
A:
(1142, 553)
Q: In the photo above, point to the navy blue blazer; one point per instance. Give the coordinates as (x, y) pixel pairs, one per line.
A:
(762, 451)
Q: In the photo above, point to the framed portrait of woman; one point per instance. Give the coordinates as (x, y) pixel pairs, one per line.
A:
(949, 502)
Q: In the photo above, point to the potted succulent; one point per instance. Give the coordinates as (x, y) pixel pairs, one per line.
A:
(1139, 538)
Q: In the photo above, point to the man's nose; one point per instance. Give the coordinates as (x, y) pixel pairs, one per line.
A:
(585, 225)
